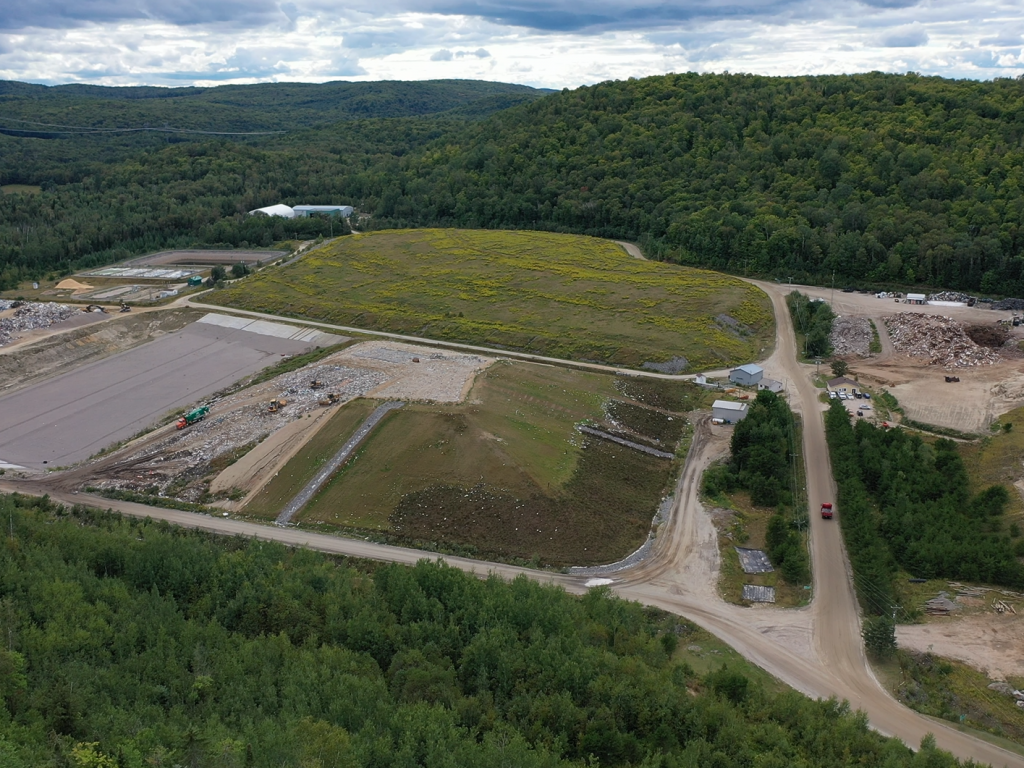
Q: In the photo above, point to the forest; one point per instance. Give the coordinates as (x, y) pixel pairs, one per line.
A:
(812, 321)
(878, 180)
(906, 504)
(130, 643)
(763, 458)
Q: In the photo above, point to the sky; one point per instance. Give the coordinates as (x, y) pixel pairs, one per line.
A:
(550, 44)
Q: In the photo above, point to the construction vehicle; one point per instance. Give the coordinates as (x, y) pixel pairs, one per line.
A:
(125, 307)
(316, 384)
(196, 414)
(331, 399)
(95, 308)
(277, 404)
(826, 510)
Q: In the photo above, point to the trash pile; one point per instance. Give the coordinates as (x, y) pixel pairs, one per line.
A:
(175, 465)
(960, 296)
(941, 340)
(1010, 304)
(29, 315)
(851, 336)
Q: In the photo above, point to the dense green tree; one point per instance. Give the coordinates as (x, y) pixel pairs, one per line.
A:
(132, 643)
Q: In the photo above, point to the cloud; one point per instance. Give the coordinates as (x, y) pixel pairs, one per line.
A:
(911, 36)
(64, 14)
(548, 43)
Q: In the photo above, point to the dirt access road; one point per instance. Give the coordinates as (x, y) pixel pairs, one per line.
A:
(817, 650)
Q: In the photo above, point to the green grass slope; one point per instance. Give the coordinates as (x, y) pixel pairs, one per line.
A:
(556, 295)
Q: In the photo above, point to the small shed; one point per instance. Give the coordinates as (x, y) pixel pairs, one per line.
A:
(916, 298)
(728, 411)
(770, 384)
(746, 375)
(700, 379)
(843, 384)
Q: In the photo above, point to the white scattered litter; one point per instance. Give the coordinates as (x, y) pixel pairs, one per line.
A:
(598, 582)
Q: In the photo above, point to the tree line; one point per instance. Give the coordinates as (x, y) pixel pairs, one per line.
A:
(763, 457)
(812, 319)
(881, 180)
(134, 644)
(905, 504)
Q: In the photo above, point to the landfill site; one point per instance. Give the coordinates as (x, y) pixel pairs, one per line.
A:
(951, 361)
(164, 403)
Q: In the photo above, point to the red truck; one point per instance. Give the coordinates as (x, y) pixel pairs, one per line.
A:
(826, 510)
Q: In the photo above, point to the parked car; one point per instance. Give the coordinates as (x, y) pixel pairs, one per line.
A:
(867, 396)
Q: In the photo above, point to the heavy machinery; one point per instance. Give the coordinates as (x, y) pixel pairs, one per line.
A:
(277, 404)
(125, 307)
(826, 510)
(196, 414)
(316, 384)
(331, 399)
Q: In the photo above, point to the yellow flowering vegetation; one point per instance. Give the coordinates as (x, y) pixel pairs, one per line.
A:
(564, 296)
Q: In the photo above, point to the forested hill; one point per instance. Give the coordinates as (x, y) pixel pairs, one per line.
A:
(881, 178)
(134, 644)
(58, 110)
(875, 179)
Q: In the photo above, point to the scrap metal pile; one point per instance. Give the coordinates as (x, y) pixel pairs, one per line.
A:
(29, 315)
(851, 336)
(940, 340)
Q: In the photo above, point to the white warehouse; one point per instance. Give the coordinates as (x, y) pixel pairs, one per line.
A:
(728, 411)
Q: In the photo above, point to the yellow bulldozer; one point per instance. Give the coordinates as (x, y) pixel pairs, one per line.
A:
(277, 404)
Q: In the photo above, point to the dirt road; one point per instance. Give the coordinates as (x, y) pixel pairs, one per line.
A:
(816, 650)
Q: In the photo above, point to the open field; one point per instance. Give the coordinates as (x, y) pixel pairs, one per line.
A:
(505, 473)
(556, 295)
(66, 419)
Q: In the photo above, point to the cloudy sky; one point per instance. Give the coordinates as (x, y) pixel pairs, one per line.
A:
(555, 44)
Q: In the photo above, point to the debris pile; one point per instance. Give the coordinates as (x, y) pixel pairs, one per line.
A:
(966, 298)
(1011, 304)
(176, 465)
(941, 340)
(29, 315)
(851, 336)
(941, 605)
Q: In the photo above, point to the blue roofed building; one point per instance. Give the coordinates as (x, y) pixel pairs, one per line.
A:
(746, 375)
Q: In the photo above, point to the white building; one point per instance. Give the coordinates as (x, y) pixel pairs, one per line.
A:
(770, 384)
(282, 210)
(728, 411)
(746, 375)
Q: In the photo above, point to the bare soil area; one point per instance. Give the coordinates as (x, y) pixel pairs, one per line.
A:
(990, 642)
(983, 393)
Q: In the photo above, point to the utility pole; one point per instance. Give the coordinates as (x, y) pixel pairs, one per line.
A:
(831, 301)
